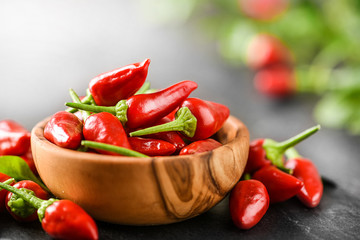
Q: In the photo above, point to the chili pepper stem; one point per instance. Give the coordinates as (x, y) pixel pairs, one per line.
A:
(275, 150)
(75, 98)
(292, 153)
(112, 148)
(144, 88)
(184, 122)
(88, 99)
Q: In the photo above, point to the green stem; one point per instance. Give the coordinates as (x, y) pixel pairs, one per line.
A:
(88, 99)
(184, 122)
(112, 148)
(75, 98)
(292, 153)
(143, 88)
(275, 150)
(91, 108)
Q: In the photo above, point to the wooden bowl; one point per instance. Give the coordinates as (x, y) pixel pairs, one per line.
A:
(143, 191)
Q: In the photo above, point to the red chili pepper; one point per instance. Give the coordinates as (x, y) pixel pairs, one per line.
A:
(152, 147)
(280, 185)
(264, 10)
(109, 88)
(145, 109)
(3, 192)
(105, 128)
(263, 152)
(275, 81)
(20, 209)
(248, 203)
(14, 138)
(305, 170)
(265, 49)
(200, 146)
(61, 219)
(64, 129)
(196, 119)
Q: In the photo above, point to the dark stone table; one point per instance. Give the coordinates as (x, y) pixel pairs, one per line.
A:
(49, 46)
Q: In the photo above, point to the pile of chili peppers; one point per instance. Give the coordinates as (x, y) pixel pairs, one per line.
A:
(275, 172)
(120, 115)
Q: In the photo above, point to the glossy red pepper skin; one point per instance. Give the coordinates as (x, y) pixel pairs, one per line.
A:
(3, 192)
(109, 88)
(210, 117)
(147, 109)
(38, 191)
(200, 146)
(152, 147)
(281, 186)
(105, 128)
(14, 138)
(248, 203)
(64, 129)
(306, 171)
(257, 156)
(66, 220)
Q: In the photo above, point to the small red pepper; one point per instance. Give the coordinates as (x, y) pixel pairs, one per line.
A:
(248, 203)
(3, 192)
(200, 146)
(263, 152)
(110, 87)
(145, 109)
(105, 128)
(305, 170)
(64, 129)
(152, 147)
(263, 10)
(20, 209)
(61, 219)
(14, 138)
(281, 186)
(196, 119)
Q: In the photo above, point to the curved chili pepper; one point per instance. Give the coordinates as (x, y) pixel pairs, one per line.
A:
(3, 192)
(105, 128)
(20, 209)
(196, 119)
(110, 87)
(64, 129)
(263, 152)
(145, 109)
(61, 219)
(14, 138)
(152, 147)
(200, 146)
(305, 170)
(248, 203)
(281, 186)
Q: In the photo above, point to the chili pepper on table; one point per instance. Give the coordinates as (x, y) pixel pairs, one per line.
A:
(200, 146)
(106, 128)
(20, 209)
(110, 87)
(248, 203)
(145, 109)
(281, 186)
(62, 219)
(152, 147)
(265, 151)
(64, 129)
(196, 119)
(305, 170)
(14, 138)
(3, 192)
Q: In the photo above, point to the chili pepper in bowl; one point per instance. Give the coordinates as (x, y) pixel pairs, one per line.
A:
(248, 203)
(196, 119)
(64, 129)
(106, 128)
(152, 147)
(109, 88)
(14, 138)
(305, 170)
(265, 151)
(20, 209)
(61, 219)
(200, 146)
(145, 109)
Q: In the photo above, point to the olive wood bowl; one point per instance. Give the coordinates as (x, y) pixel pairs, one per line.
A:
(143, 191)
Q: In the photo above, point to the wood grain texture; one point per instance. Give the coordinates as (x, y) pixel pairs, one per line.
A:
(148, 191)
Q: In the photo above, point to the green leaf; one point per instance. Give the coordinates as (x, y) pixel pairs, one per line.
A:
(17, 168)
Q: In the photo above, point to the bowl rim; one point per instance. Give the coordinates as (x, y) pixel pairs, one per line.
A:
(37, 135)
